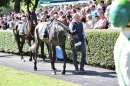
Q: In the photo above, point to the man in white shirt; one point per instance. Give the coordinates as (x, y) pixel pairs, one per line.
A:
(101, 24)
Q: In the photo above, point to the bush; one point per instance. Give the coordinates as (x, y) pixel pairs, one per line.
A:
(101, 45)
(8, 43)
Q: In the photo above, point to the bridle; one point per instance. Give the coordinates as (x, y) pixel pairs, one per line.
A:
(32, 25)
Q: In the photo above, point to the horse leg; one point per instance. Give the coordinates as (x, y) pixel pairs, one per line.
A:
(21, 48)
(29, 43)
(35, 58)
(42, 50)
(52, 52)
(65, 58)
(47, 46)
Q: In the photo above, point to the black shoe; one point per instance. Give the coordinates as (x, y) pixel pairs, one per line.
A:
(77, 71)
(82, 70)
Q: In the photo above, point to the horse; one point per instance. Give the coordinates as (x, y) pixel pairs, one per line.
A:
(57, 33)
(29, 36)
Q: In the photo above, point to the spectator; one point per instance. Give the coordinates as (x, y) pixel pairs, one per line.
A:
(96, 20)
(95, 3)
(107, 16)
(93, 11)
(46, 16)
(38, 15)
(88, 11)
(73, 11)
(69, 17)
(66, 8)
(83, 20)
(62, 9)
(56, 15)
(89, 24)
(108, 2)
(102, 5)
(60, 15)
(43, 19)
(101, 24)
(10, 23)
(64, 20)
(90, 3)
(5, 24)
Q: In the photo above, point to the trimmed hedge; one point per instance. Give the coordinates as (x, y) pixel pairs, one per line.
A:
(101, 45)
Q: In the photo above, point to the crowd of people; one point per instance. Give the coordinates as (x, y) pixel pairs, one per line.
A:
(93, 15)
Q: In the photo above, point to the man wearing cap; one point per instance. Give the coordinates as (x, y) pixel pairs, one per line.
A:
(120, 17)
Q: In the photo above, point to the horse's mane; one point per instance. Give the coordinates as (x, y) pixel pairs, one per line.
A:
(61, 24)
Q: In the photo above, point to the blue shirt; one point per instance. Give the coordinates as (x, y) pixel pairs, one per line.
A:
(94, 13)
(79, 29)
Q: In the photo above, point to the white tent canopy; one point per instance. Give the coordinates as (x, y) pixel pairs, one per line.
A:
(59, 3)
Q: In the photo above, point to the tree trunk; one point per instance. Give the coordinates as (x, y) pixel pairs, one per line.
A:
(17, 6)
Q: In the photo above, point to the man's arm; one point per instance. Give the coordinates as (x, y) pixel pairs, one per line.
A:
(71, 27)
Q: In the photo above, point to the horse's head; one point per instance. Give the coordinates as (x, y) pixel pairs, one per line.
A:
(32, 17)
(32, 21)
(74, 40)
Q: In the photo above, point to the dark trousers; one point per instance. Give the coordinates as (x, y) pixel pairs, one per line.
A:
(83, 58)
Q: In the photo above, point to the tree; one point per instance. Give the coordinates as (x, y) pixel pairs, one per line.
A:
(17, 5)
(4, 3)
(28, 3)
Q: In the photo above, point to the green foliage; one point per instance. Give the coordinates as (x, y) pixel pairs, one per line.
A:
(7, 9)
(8, 43)
(101, 45)
(24, 6)
(4, 3)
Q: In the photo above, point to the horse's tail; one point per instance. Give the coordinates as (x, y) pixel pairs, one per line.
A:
(33, 47)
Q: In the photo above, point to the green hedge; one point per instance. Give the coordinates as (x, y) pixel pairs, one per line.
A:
(101, 45)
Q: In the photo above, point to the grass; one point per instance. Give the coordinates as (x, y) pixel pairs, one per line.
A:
(12, 77)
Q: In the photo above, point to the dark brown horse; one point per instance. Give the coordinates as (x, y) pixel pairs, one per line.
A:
(57, 33)
(29, 36)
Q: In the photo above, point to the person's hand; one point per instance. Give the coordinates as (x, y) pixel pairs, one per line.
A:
(85, 37)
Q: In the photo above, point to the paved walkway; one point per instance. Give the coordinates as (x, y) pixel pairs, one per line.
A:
(93, 77)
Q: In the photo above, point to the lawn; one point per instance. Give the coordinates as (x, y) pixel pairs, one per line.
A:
(12, 77)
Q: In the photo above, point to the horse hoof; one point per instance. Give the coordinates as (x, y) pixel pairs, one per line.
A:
(55, 69)
(43, 59)
(30, 59)
(53, 73)
(63, 72)
(22, 60)
(35, 69)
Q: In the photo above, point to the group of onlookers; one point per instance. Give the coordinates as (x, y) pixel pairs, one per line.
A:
(93, 15)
